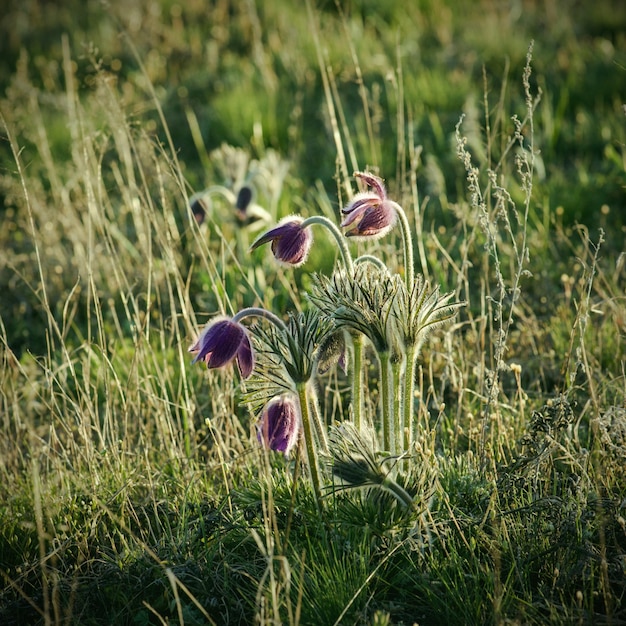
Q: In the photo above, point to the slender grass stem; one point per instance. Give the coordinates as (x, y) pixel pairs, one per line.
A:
(336, 233)
(186, 433)
(309, 443)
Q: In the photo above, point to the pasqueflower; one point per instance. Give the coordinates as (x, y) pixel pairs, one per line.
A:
(290, 241)
(370, 213)
(198, 210)
(222, 341)
(280, 424)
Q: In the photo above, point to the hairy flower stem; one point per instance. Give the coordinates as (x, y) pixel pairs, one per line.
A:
(309, 443)
(336, 233)
(370, 258)
(397, 440)
(217, 189)
(398, 492)
(254, 311)
(407, 240)
(409, 392)
(386, 400)
(320, 427)
(357, 379)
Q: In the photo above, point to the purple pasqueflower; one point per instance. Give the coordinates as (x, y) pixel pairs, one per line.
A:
(222, 341)
(198, 210)
(280, 424)
(370, 213)
(290, 242)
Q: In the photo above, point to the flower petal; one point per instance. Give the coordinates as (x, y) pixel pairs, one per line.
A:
(373, 181)
(376, 221)
(293, 249)
(218, 343)
(225, 346)
(290, 242)
(360, 202)
(245, 357)
(280, 424)
(266, 237)
(244, 197)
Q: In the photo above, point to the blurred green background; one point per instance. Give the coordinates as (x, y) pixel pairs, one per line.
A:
(242, 63)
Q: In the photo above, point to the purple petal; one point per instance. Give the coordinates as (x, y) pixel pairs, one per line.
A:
(218, 343)
(360, 202)
(199, 348)
(224, 347)
(375, 182)
(294, 248)
(285, 228)
(245, 357)
(270, 235)
(280, 424)
(376, 221)
(244, 197)
(198, 210)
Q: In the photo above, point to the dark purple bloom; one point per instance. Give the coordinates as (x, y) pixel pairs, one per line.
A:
(280, 424)
(244, 198)
(198, 210)
(222, 341)
(290, 242)
(371, 213)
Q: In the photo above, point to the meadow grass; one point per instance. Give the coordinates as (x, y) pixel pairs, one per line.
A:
(133, 487)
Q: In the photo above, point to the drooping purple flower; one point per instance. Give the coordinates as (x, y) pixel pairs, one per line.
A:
(290, 242)
(370, 213)
(198, 210)
(222, 341)
(280, 424)
(244, 198)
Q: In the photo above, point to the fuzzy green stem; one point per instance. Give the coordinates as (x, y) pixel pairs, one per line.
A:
(385, 399)
(224, 191)
(398, 492)
(336, 233)
(309, 443)
(357, 379)
(370, 258)
(320, 427)
(255, 311)
(407, 240)
(396, 373)
(409, 392)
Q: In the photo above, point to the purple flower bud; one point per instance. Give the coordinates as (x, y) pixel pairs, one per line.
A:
(290, 242)
(280, 424)
(371, 213)
(222, 341)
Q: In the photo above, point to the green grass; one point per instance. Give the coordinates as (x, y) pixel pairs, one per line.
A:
(132, 487)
